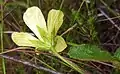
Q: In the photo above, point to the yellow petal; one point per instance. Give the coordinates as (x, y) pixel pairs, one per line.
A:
(33, 17)
(60, 44)
(23, 39)
(54, 21)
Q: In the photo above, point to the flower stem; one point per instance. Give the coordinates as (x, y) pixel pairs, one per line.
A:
(73, 65)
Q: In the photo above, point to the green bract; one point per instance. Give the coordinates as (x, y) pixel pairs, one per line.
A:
(46, 35)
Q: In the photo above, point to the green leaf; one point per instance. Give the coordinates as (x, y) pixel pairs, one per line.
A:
(23, 39)
(117, 54)
(33, 17)
(54, 21)
(89, 52)
(60, 44)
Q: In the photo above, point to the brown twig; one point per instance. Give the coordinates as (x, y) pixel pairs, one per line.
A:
(14, 49)
(114, 24)
(69, 29)
(30, 64)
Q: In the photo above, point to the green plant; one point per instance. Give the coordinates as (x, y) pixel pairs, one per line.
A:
(1, 36)
(47, 39)
(90, 52)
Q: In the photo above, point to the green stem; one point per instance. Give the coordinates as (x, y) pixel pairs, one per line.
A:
(1, 36)
(73, 65)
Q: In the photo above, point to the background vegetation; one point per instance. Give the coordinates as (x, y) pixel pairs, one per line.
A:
(94, 23)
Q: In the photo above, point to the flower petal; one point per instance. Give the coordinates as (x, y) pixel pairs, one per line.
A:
(60, 44)
(54, 21)
(33, 17)
(23, 39)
